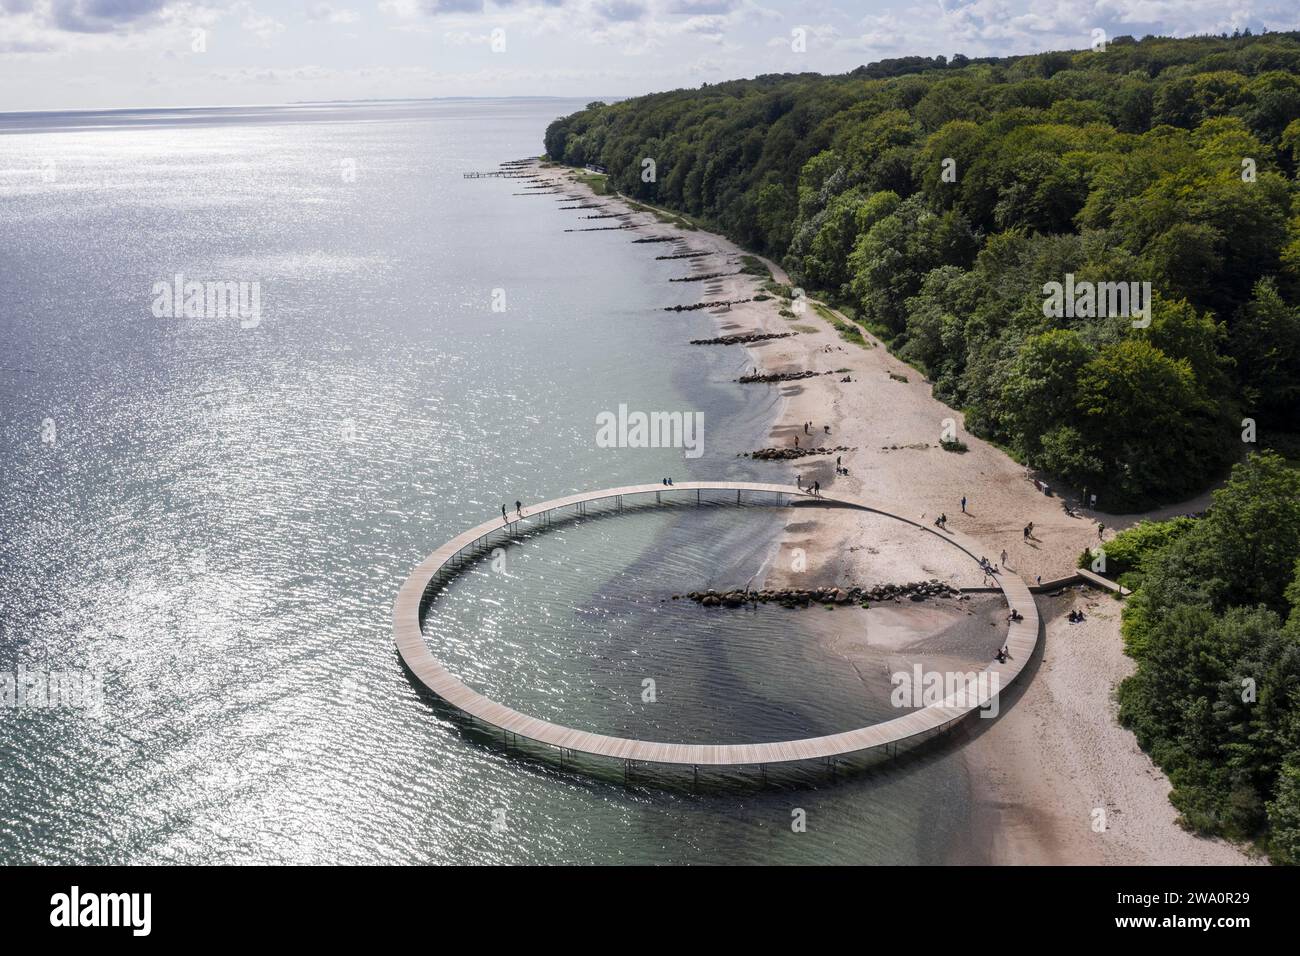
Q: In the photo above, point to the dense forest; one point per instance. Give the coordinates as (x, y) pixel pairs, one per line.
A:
(1214, 624)
(935, 199)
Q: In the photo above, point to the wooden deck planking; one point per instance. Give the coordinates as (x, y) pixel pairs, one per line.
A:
(1022, 638)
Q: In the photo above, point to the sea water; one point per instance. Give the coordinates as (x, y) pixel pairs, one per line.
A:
(211, 517)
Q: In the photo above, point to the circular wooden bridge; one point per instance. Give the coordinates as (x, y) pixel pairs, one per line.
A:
(415, 593)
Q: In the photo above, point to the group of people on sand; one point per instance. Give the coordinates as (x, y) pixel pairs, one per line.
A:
(807, 430)
(1076, 617)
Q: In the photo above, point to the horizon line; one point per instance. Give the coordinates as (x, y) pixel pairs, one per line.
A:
(292, 103)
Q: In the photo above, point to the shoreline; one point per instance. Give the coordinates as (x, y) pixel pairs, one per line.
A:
(1056, 755)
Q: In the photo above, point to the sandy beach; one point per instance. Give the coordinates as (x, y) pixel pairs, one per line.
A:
(1058, 759)
(1056, 756)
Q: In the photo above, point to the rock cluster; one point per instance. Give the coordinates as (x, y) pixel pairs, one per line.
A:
(779, 377)
(741, 339)
(785, 454)
(803, 597)
(711, 275)
(709, 305)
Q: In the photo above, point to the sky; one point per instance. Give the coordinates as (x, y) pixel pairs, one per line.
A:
(102, 54)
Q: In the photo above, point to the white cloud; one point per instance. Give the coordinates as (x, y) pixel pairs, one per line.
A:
(264, 28)
(325, 12)
(466, 38)
(623, 46)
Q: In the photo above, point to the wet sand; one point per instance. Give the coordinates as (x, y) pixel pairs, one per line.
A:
(1056, 753)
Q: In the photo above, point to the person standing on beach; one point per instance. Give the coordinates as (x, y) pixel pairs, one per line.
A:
(1004, 557)
(798, 482)
(796, 441)
(963, 504)
(817, 488)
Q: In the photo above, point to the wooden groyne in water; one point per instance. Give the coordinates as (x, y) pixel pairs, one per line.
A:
(497, 174)
(707, 277)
